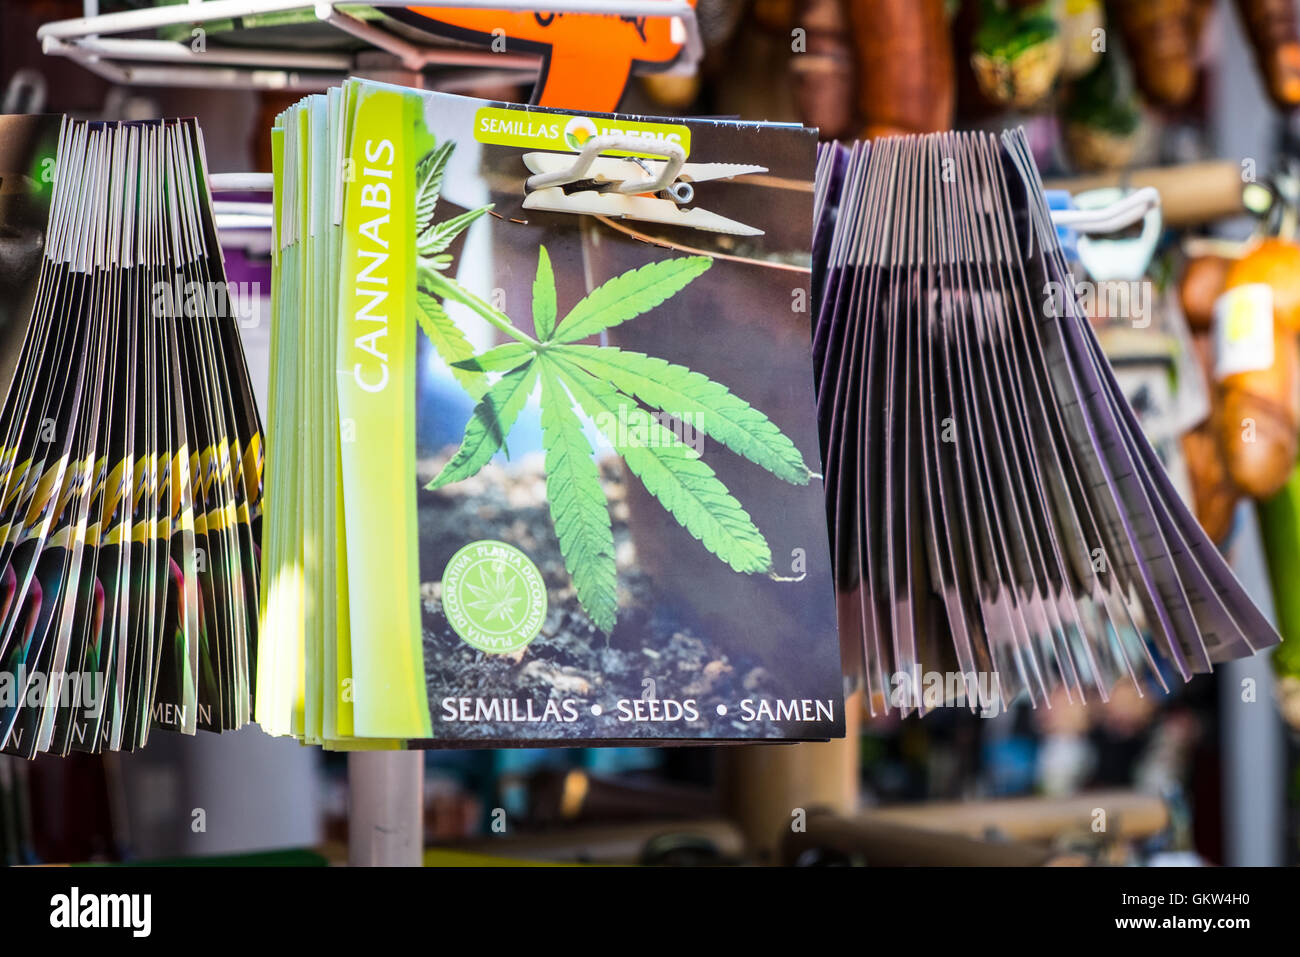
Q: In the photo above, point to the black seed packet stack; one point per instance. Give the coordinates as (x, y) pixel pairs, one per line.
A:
(130, 445)
(996, 512)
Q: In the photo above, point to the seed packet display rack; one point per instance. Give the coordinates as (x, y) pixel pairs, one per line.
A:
(385, 787)
(385, 812)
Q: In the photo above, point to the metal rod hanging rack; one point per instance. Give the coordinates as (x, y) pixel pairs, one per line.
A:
(95, 41)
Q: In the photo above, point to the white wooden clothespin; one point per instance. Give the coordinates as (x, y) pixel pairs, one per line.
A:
(631, 187)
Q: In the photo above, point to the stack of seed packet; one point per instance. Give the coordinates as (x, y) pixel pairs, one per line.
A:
(130, 457)
(997, 515)
(543, 455)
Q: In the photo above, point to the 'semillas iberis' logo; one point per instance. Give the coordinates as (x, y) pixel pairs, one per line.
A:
(493, 597)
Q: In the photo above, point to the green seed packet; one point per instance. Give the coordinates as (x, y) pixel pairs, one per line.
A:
(578, 490)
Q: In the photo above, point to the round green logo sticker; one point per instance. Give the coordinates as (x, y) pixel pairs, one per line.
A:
(493, 597)
(577, 131)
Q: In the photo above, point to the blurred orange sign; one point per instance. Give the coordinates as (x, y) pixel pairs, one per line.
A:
(586, 58)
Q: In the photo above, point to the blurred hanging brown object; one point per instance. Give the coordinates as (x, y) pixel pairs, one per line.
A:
(1083, 32)
(1017, 52)
(774, 16)
(270, 104)
(671, 90)
(718, 20)
(1159, 35)
(972, 104)
(904, 66)
(823, 71)
(1102, 118)
(1258, 367)
(1202, 282)
(1214, 494)
(1273, 31)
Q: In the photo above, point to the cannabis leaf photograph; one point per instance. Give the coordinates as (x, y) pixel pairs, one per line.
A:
(432, 240)
(626, 395)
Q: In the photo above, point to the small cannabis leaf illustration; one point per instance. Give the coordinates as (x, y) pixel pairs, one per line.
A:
(495, 597)
(609, 386)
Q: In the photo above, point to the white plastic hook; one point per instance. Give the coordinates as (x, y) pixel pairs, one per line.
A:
(1108, 257)
(1111, 218)
(672, 152)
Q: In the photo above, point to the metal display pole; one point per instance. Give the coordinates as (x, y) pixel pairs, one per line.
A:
(385, 808)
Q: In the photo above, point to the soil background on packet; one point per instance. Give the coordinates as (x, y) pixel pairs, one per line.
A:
(570, 659)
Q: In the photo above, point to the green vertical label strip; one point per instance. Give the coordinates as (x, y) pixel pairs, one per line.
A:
(376, 386)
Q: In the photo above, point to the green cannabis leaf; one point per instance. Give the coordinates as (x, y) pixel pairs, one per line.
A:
(673, 473)
(627, 296)
(433, 239)
(428, 184)
(544, 297)
(448, 340)
(628, 396)
(577, 504)
(497, 360)
(489, 425)
(431, 243)
(718, 413)
(439, 236)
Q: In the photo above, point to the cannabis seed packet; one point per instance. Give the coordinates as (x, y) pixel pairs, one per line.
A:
(558, 469)
(130, 446)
